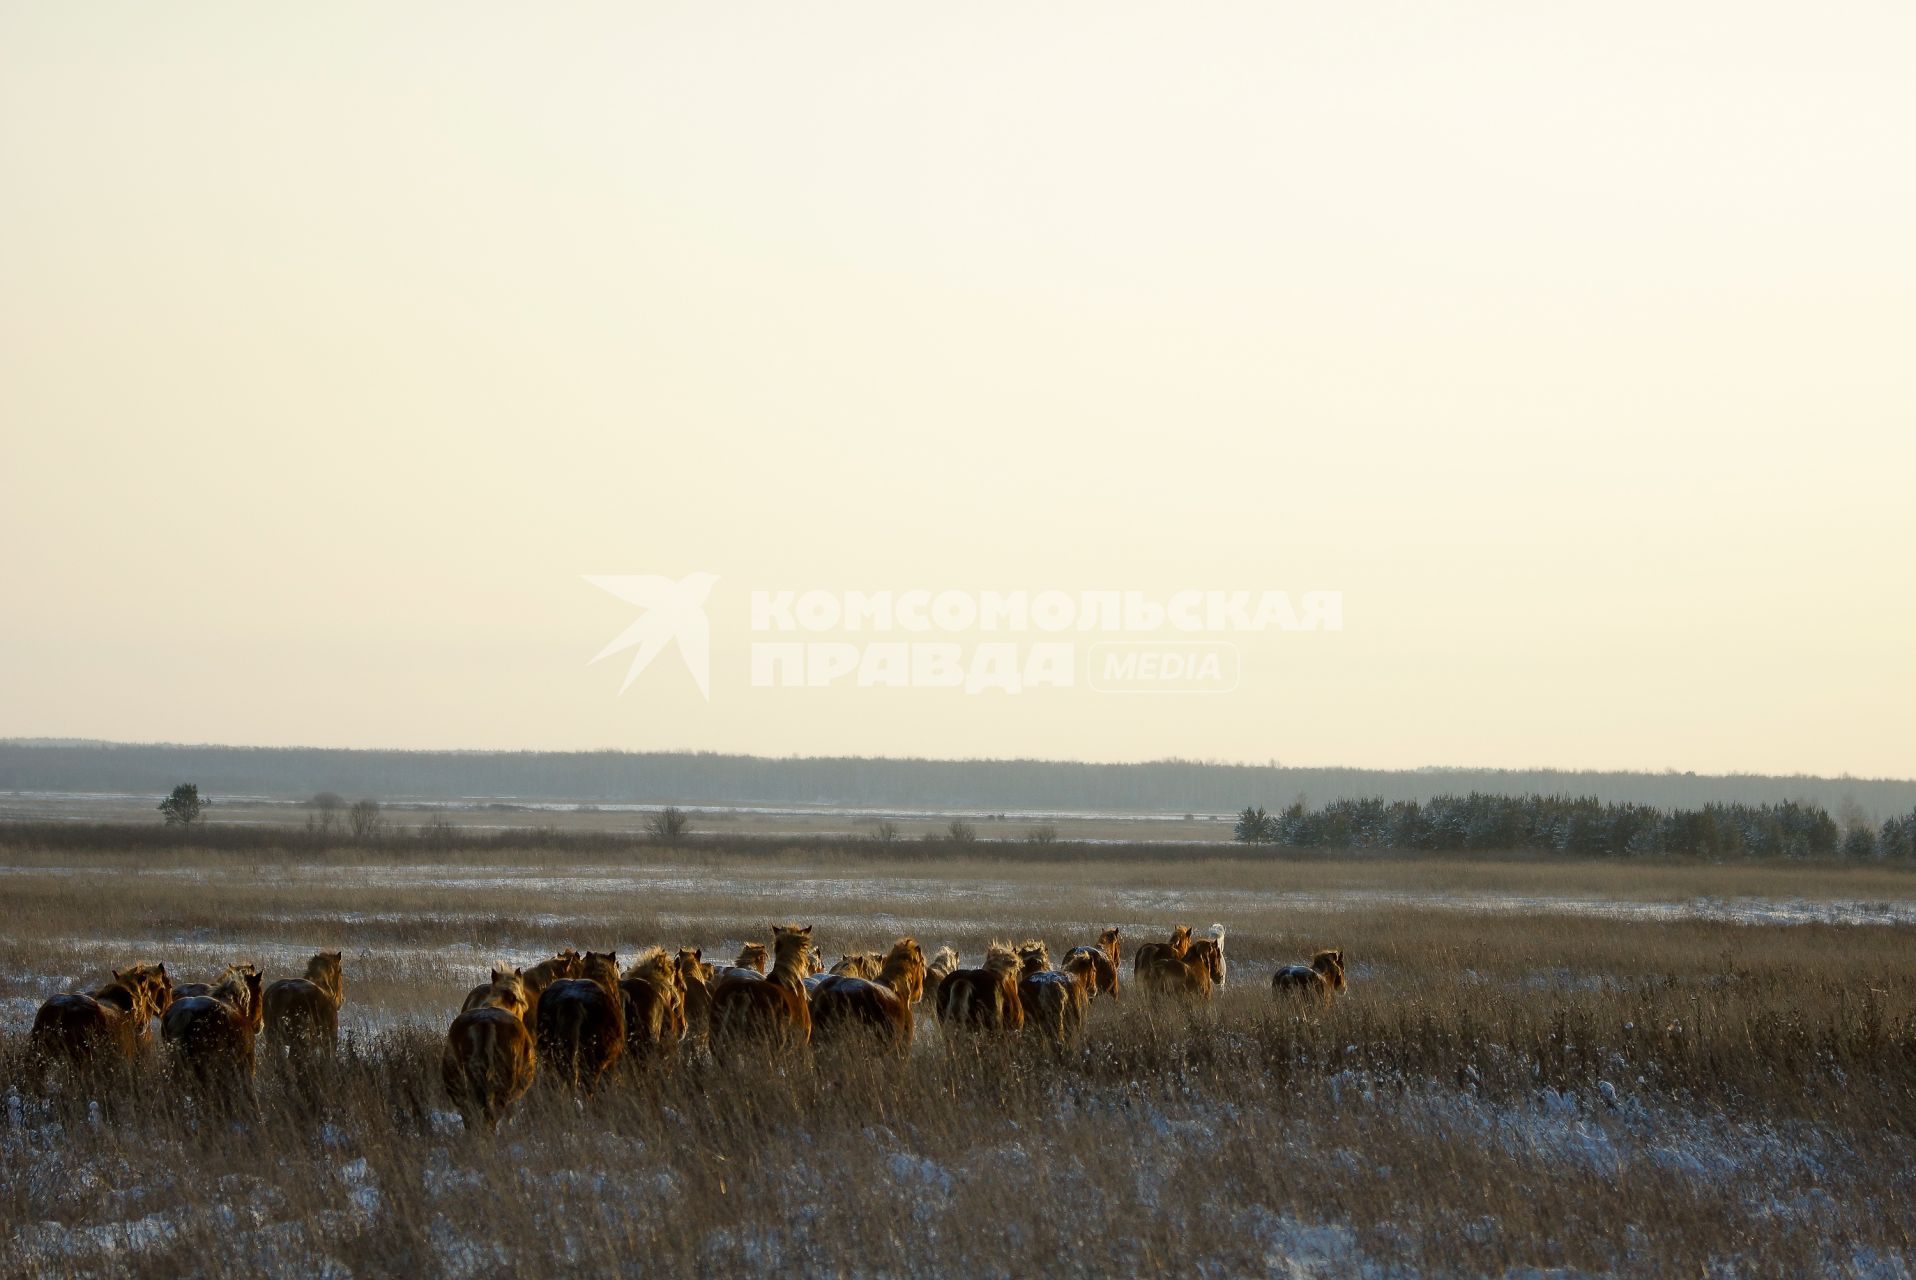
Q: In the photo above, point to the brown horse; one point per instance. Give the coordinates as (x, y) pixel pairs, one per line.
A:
(1193, 975)
(858, 964)
(1179, 943)
(751, 959)
(211, 1036)
(1053, 1001)
(1103, 960)
(111, 1025)
(696, 977)
(941, 967)
(302, 1014)
(488, 1063)
(984, 999)
(654, 996)
(749, 1011)
(564, 964)
(880, 1005)
(581, 1023)
(1319, 980)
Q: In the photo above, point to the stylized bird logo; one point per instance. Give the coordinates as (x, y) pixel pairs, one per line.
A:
(673, 611)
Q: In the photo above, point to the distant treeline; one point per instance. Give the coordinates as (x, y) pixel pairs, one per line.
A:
(1578, 825)
(994, 786)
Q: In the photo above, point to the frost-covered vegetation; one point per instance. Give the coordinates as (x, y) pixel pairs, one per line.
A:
(1499, 1093)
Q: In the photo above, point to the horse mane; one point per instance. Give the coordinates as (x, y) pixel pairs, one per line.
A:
(903, 969)
(1330, 963)
(654, 965)
(791, 944)
(508, 991)
(1034, 956)
(944, 961)
(1001, 958)
(601, 967)
(751, 956)
(324, 972)
(1180, 940)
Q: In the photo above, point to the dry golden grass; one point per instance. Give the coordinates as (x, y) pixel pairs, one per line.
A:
(1502, 1089)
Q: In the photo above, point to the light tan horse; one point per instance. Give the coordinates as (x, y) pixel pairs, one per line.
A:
(580, 1024)
(986, 998)
(1053, 1001)
(696, 978)
(858, 964)
(751, 1012)
(942, 966)
(1319, 981)
(302, 1014)
(488, 1062)
(654, 995)
(881, 1005)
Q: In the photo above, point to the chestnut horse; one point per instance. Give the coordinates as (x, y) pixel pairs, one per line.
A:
(1103, 959)
(880, 1005)
(1180, 942)
(302, 1014)
(984, 999)
(696, 977)
(750, 1011)
(488, 1063)
(211, 1036)
(654, 996)
(581, 1023)
(1193, 975)
(1053, 1001)
(1319, 980)
(112, 1024)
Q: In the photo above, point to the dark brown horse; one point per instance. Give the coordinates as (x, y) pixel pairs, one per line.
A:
(654, 996)
(1103, 960)
(984, 999)
(111, 1025)
(881, 1005)
(302, 1014)
(581, 1023)
(488, 1062)
(1317, 981)
(751, 1012)
(211, 1036)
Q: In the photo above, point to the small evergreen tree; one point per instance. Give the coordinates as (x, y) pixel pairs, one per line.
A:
(184, 807)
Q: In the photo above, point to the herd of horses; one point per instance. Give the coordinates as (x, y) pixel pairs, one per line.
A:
(576, 1016)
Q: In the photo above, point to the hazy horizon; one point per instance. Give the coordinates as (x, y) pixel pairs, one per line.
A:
(339, 348)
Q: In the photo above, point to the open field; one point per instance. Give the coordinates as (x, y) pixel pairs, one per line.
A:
(727, 820)
(1581, 1067)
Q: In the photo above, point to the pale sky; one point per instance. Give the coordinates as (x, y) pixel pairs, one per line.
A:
(1575, 344)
